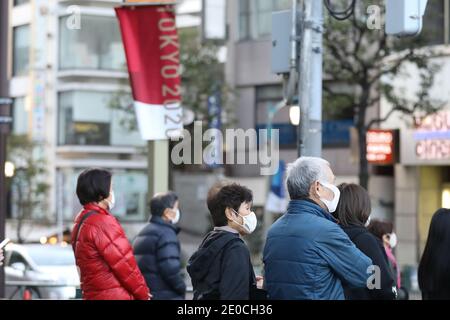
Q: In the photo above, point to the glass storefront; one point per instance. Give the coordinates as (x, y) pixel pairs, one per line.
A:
(85, 118)
(130, 190)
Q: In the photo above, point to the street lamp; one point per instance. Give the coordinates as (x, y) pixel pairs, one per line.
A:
(294, 115)
(9, 169)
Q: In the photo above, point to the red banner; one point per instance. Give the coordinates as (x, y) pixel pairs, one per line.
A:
(151, 44)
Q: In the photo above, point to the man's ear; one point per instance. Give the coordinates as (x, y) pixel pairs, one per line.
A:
(315, 187)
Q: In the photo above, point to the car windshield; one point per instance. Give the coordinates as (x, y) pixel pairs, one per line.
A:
(52, 256)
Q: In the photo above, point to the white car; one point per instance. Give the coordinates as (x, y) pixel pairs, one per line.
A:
(46, 271)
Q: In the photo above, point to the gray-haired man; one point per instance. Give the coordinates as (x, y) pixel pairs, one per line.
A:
(307, 255)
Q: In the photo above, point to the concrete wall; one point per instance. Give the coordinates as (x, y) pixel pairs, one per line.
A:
(406, 204)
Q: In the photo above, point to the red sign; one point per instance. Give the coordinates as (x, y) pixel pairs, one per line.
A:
(151, 44)
(380, 147)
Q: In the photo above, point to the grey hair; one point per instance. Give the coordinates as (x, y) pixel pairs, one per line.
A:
(302, 173)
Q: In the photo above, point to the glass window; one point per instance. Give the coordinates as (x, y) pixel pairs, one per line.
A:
(433, 23)
(85, 118)
(255, 17)
(97, 45)
(20, 2)
(21, 50)
(16, 258)
(130, 189)
(20, 117)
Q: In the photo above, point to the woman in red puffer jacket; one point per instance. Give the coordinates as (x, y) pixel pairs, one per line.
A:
(103, 254)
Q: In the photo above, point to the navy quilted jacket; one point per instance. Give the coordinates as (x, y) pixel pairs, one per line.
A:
(157, 252)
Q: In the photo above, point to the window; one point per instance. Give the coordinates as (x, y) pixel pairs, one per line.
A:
(21, 50)
(255, 17)
(97, 45)
(16, 258)
(130, 189)
(433, 23)
(20, 117)
(20, 2)
(85, 118)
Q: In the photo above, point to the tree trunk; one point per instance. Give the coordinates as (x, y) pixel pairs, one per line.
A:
(362, 131)
(19, 215)
(363, 163)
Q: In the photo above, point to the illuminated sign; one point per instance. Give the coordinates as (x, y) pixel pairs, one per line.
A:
(381, 146)
(146, 2)
(432, 137)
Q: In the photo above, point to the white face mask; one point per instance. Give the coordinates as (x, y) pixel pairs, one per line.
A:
(249, 222)
(177, 217)
(367, 222)
(111, 203)
(393, 240)
(331, 205)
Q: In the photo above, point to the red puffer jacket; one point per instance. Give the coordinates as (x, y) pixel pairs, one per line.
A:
(108, 269)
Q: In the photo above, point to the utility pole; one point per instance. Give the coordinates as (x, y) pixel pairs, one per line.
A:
(310, 81)
(5, 121)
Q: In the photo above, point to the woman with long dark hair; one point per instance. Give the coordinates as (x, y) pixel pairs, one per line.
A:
(434, 267)
(353, 212)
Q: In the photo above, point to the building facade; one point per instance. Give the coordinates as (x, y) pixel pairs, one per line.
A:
(257, 89)
(68, 69)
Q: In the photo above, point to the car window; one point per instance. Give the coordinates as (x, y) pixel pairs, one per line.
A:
(15, 258)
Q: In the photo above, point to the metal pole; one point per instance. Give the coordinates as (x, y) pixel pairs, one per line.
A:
(4, 127)
(314, 141)
(310, 83)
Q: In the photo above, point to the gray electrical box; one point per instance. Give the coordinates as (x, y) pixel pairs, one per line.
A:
(281, 41)
(405, 17)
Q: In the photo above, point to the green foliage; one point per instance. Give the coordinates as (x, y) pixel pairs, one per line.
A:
(29, 181)
(360, 64)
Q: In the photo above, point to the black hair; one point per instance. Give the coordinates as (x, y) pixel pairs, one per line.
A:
(354, 205)
(93, 185)
(161, 202)
(434, 267)
(228, 196)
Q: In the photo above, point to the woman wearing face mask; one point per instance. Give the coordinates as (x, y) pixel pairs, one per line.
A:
(157, 249)
(107, 267)
(221, 268)
(384, 231)
(353, 213)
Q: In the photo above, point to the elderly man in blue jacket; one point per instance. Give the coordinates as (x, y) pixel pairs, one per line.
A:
(307, 255)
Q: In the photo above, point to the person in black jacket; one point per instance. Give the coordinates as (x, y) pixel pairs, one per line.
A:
(434, 267)
(221, 268)
(353, 212)
(157, 249)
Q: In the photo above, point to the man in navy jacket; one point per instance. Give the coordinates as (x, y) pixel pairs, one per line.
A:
(157, 249)
(307, 255)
